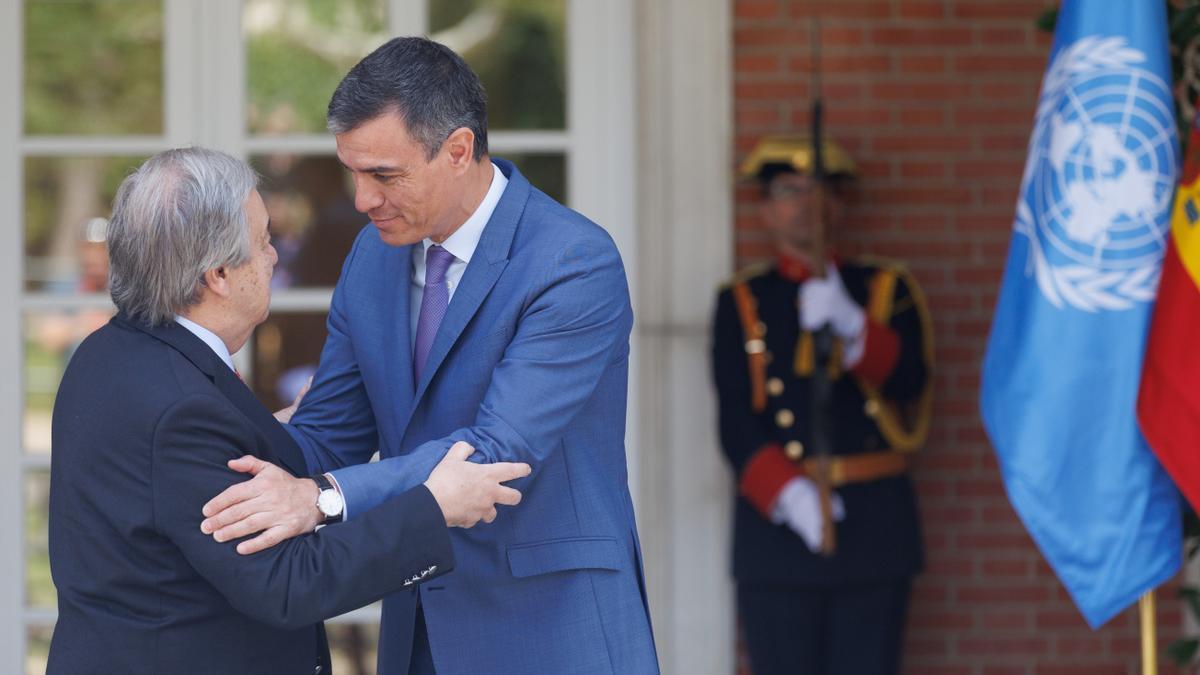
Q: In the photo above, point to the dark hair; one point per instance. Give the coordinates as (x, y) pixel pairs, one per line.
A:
(432, 89)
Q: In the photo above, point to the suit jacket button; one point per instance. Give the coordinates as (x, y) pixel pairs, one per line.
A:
(794, 450)
(774, 386)
(785, 419)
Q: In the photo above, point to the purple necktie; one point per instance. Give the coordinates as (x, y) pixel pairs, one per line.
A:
(433, 305)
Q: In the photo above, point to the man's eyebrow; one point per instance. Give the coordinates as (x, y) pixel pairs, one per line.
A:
(373, 169)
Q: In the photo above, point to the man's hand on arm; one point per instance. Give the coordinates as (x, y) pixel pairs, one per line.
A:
(468, 493)
(281, 506)
(274, 503)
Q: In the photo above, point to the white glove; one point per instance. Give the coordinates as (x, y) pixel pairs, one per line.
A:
(799, 506)
(826, 301)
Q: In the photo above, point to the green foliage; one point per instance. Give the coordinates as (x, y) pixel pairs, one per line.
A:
(522, 62)
(93, 67)
(296, 60)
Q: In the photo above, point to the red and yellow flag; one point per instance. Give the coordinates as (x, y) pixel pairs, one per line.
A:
(1169, 398)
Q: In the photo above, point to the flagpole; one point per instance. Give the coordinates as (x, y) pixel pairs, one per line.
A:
(1149, 642)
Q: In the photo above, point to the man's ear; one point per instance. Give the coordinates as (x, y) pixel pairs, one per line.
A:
(460, 148)
(216, 281)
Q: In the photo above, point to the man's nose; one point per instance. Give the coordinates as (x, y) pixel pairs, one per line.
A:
(366, 195)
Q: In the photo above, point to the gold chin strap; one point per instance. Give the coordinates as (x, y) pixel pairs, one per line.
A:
(887, 414)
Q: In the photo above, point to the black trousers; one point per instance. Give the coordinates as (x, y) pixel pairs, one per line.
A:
(847, 630)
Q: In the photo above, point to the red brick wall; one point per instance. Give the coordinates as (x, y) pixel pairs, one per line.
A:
(935, 99)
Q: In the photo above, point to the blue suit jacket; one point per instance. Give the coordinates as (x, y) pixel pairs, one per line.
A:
(144, 423)
(530, 364)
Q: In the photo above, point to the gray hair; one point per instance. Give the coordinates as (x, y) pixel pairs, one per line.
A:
(180, 214)
(432, 89)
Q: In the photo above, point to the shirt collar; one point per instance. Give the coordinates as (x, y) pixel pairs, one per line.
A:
(465, 239)
(210, 338)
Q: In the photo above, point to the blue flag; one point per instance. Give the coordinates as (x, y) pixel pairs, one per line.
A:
(1061, 374)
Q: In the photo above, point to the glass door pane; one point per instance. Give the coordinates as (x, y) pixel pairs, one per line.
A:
(93, 67)
(67, 203)
(518, 48)
(297, 52)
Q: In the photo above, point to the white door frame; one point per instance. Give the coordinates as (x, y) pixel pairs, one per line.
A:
(12, 501)
(684, 53)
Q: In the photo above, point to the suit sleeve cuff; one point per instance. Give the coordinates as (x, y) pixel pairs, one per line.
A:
(880, 354)
(338, 486)
(764, 476)
(358, 493)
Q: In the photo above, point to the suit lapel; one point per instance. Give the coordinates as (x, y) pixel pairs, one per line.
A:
(201, 355)
(485, 268)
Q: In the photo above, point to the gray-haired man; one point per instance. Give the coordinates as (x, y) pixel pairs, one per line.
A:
(150, 411)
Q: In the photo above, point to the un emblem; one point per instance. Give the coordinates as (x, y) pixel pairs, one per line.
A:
(1096, 193)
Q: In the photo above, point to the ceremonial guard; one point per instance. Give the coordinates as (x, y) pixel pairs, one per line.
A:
(823, 374)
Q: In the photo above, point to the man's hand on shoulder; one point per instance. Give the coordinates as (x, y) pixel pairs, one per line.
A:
(468, 493)
(273, 503)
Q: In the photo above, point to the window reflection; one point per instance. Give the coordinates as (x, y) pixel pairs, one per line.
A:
(313, 220)
(297, 51)
(39, 589)
(66, 202)
(287, 348)
(546, 171)
(37, 649)
(518, 49)
(353, 647)
(93, 67)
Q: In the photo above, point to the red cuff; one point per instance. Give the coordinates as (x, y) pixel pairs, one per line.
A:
(880, 354)
(764, 476)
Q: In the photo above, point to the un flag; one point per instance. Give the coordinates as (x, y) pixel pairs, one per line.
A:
(1061, 374)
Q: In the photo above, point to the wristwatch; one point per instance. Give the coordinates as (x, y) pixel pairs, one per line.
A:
(329, 500)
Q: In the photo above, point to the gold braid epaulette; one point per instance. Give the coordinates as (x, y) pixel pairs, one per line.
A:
(881, 308)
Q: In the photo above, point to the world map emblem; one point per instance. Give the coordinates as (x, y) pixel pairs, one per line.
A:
(1096, 193)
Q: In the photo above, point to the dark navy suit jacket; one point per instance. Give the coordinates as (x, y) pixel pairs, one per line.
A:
(144, 423)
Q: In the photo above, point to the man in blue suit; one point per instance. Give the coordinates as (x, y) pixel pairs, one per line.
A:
(473, 308)
(150, 410)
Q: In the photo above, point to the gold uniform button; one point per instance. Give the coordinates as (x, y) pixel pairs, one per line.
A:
(755, 346)
(762, 329)
(871, 408)
(785, 419)
(794, 450)
(775, 386)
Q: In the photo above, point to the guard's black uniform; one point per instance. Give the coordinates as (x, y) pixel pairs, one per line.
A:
(804, 612)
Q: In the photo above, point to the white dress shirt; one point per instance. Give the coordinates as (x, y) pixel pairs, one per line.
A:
(461, 245)
(210, 338)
